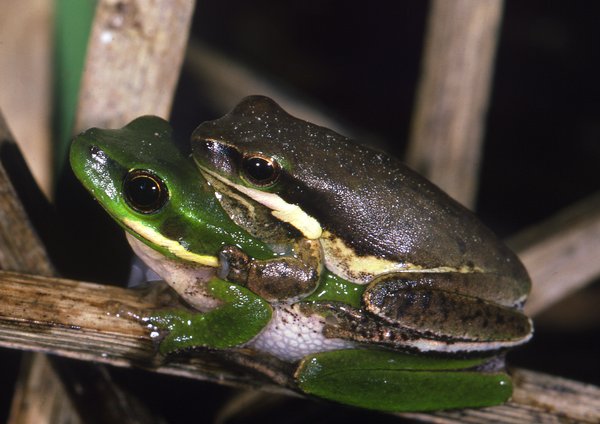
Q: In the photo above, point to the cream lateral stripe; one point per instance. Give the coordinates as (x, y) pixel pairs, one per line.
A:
(172, 246)
(372, 264)
(426, 345)
(282, 210)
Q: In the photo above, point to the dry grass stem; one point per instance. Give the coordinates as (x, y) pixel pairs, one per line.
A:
(449, 118)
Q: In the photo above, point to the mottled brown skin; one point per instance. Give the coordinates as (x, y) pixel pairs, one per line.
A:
(466, 318)
(279, 279)
(380, 208)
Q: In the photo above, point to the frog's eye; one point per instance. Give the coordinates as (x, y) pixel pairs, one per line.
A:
(260, 170)
(144, 191)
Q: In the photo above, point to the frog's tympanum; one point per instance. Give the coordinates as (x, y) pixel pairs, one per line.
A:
(293, 241)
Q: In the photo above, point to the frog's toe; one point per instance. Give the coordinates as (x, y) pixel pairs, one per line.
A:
(169, 329)
(166, 320)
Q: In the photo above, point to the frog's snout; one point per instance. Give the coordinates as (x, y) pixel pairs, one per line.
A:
(87, 159)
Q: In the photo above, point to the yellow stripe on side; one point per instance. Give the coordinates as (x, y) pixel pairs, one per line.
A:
(342, 260)
(172, 246)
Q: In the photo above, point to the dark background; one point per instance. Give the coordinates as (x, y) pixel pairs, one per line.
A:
(360, 62)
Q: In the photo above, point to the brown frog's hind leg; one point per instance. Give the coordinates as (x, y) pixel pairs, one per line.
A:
(444, 311)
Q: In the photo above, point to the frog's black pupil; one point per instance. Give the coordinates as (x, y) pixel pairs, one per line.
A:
(144, 192)
(260, 170)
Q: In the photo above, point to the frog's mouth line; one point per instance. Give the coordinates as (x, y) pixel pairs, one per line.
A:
(149, 235)
(282, 210)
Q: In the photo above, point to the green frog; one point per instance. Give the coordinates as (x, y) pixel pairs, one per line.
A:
(297, 243)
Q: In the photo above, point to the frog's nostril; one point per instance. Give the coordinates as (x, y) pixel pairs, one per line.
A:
(98, 155)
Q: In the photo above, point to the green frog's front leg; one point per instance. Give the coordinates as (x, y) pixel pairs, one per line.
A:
(391, 381)
(239, 318)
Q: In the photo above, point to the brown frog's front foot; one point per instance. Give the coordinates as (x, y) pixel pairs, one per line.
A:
(233, 264)
(285, 278)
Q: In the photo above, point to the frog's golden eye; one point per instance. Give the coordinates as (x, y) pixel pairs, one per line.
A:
(260, 170)
(144, 192)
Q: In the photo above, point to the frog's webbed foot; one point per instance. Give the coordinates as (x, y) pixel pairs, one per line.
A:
(391, 381)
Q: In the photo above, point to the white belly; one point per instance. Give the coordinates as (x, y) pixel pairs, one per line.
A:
(291, 335)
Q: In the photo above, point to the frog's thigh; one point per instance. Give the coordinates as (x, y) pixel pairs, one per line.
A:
(422, 306)
(389, 381)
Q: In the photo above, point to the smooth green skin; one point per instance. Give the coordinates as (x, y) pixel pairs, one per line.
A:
(368, 378)
(240, 318)
(192, 216)
(392, 381)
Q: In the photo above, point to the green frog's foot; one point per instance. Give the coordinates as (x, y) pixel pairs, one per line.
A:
(390, 381)
(240, 317)
(172, 329)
